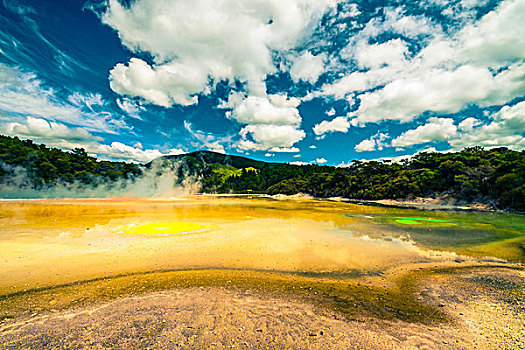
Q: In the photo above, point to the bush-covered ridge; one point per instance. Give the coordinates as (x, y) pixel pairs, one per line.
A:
(35, 166)
(474, 174)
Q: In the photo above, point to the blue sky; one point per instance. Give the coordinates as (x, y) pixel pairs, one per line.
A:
(321, 81)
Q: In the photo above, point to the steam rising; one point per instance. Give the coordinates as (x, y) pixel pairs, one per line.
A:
(161, 179)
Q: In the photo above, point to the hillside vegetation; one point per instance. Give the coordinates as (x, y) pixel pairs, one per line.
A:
(24, 163)
(474, 174)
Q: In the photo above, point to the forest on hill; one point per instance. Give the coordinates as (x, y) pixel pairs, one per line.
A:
(494, 176)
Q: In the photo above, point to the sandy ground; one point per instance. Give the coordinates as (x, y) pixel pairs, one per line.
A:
(486, 310)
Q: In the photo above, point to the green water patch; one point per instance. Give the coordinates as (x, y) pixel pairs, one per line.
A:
(421, 219)
(408, 222)
(477, 234)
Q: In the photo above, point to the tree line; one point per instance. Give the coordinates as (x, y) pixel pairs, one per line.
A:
(474, 174)
(494, 175)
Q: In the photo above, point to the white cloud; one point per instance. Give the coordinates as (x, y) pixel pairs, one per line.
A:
(313, 147)
(496, 39)
(505, 129)
(23, 94)
(468, 4)
(264, 116)
(61, 136)
(468, 124)
(284, 149)
(349, 10)
(395, 21)
(410, 26)
(376, 56)
(263, 137)
(195, 41)
(41, 129)
(206, 140)
(438, 90)
(376, 142)
(331, 112)
(132, 108)
(274, 109)
(483, 63)
(340, 124)
(308, 67)
(89, 100)
(163, 85)
(299, 163)
(398, 159)
(355, 81)
(120, 151)
(365, 145)
(320, 160)
(435, 130)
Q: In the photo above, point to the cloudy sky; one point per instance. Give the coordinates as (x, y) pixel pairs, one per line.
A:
(323, 81)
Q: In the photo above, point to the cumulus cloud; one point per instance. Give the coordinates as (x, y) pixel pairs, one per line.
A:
(339, 124)
(41, 129)
(378, 55)
(265, 115)
(163, 85)
(365, 145)
(398, 159)
(299, 163)
(376, 142)
(320, 160)
(272, 109)
(195, 43)
(120, 151)
(468, 124)
(435, 130)
(265, 136)
(349, 10)
(483, 63)
(506, 128)
(58, 135)
(442, 91)
(284, 149)
(308, 67)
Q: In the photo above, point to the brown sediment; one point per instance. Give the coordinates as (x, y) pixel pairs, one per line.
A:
(347, 297)
(72, 277)
(435, 308)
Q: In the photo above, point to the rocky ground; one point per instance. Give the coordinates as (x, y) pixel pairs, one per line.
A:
(486, 310)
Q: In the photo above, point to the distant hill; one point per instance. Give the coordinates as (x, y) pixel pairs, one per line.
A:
(495, 176)
(208, 157)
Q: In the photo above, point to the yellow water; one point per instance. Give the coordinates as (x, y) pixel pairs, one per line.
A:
(44, 243)
(351, 258)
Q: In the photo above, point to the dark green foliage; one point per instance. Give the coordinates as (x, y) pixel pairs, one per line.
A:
(493, 176)
(37, 166)
(474, 174)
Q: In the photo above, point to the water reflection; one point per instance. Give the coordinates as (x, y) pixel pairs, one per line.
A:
(59, 241)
